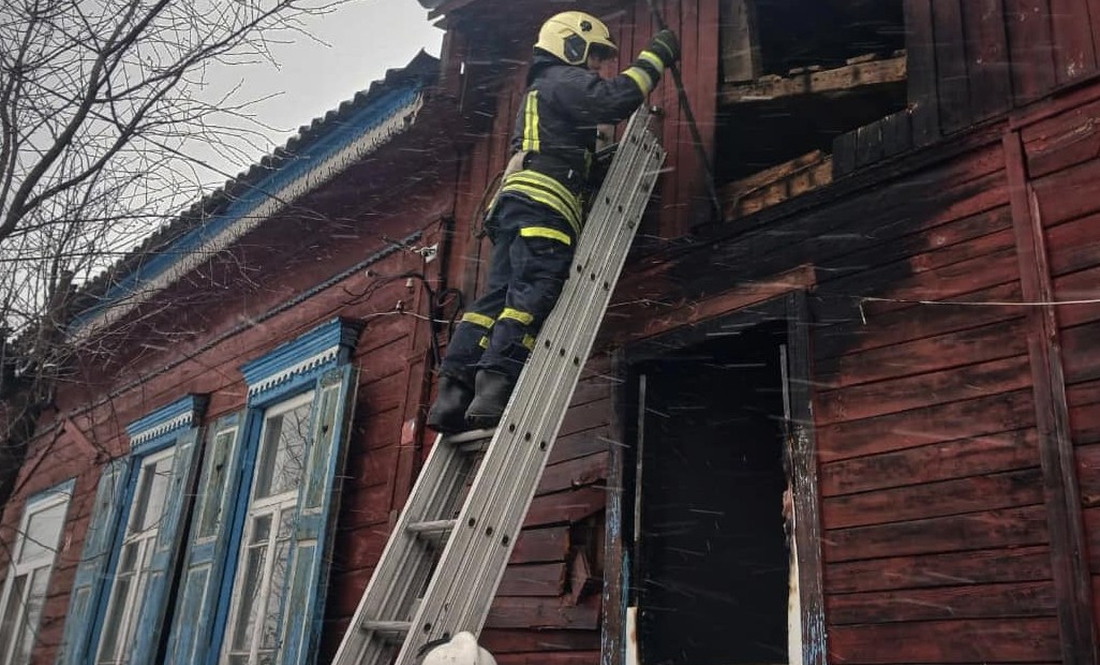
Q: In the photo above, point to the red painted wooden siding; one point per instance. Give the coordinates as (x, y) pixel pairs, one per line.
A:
(391, 353)
(976, 58)
(936, 525)
(1063, 162)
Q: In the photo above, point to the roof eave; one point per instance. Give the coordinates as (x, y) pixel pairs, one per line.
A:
(319, 153)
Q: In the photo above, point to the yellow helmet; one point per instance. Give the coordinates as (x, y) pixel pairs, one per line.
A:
(573, 36)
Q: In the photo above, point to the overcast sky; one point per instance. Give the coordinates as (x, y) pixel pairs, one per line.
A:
(354, 46)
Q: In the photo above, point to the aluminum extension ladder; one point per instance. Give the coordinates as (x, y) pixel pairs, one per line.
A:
(445, 558)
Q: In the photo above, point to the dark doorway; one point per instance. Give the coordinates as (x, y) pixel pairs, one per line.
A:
(711, 569)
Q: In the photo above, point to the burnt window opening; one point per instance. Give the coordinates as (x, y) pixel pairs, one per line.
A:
(711, 574)
(826, 33)
(795, 75)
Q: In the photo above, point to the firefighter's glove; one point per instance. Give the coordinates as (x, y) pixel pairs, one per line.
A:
(666, 47)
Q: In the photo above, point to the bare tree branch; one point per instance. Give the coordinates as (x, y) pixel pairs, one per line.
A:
(107, 130)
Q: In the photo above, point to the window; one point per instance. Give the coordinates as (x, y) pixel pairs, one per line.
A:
(263, 577)
(796, 76)
(121, 593)
(32, 562)
(135, 561)
(255, 570)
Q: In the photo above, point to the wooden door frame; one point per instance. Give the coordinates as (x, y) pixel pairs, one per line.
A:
(792, 307)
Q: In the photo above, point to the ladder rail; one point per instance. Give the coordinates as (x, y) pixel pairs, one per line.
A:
(511, 510)
(458, 562)
(495, 464)
(450, 596)
(389, 589)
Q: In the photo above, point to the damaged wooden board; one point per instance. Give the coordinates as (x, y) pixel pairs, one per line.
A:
(777, 184)
(838, 80)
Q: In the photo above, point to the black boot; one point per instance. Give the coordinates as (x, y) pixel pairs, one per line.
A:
(448, 412)
(492, 390)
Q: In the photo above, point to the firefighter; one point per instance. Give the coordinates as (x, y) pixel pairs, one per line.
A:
(536, 217)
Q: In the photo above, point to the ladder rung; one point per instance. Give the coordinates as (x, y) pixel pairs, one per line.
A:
(474, 441)
(399, 628)
(433, 527)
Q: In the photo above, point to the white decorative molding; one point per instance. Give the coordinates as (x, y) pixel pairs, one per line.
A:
(328, 355)
(398, 122)
(184, 420)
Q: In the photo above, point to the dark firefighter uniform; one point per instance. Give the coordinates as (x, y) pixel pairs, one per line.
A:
(534, 224)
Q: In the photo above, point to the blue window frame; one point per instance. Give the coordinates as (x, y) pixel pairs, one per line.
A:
(263, 525)
(120, 596)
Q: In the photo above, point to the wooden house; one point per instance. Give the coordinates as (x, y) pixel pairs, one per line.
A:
(847, 413)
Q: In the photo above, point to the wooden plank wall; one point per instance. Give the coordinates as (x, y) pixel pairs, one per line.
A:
(970, 60)
(933, 510)
(547, 609)
(1062, 164)
(936, 541)
(683, 200)
(391, 353)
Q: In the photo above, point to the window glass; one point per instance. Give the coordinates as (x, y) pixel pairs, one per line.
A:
(255, 561)
(282, 448)
(132, 573)
(36, 598)
(262, 574)
(43, 532)
(16, 590)
(24, 594)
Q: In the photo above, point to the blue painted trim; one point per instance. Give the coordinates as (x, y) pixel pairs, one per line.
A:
(340, 136)
(330, 344)
(250, 444)
(337, 333)
(194, 405)
(99, 609)
(299, 384)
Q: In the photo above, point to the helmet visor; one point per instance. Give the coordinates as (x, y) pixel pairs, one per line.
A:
(602, 51)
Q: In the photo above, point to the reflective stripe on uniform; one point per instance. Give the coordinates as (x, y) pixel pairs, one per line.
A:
(547, 191)
(545, 232)
(515, 315)
(653, 59)
(483, 342)
(547, 200)
(531, 122)
(642, 78)
(478, 319)
(529, 342)
(550, 185)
